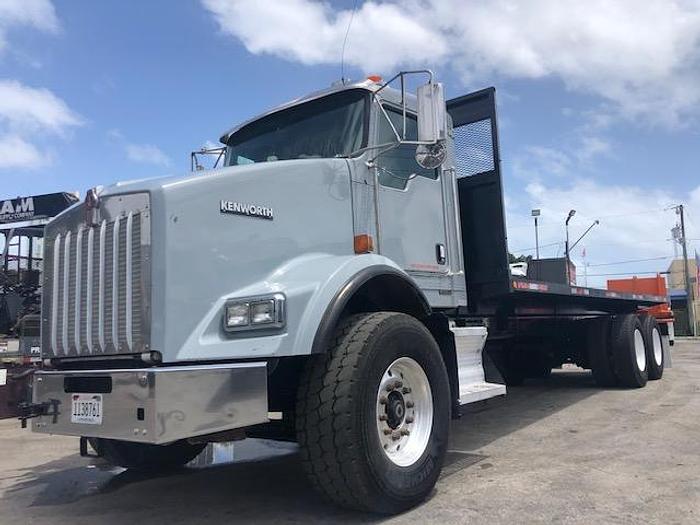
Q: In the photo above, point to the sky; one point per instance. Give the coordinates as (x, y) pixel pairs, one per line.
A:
(598, 101)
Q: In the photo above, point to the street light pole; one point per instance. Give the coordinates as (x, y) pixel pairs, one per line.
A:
(536, 214)
(568, 254)
(595, 223)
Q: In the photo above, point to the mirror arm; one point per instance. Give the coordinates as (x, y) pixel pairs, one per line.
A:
(402, 73)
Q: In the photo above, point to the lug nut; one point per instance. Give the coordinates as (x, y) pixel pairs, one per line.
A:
(406, 390)
(410, 404)
(387, 431)
(383, 400)
(405, 432)
(382, 417)
(396, 436)
(409, 419)
(398, 384)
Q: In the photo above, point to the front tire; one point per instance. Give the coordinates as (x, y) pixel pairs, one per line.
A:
(373, 414)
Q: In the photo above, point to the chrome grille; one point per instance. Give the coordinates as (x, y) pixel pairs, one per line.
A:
(95, 293)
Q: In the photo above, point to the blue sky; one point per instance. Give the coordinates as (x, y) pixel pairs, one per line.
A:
(594, 114)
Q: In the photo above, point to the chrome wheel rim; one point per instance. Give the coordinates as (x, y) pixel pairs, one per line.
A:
(639, 351)
(404, 413)
(658, 347)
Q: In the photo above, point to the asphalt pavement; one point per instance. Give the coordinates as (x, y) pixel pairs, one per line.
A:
(554, 451)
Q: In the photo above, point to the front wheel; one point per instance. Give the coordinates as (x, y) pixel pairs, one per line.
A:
(373, 414)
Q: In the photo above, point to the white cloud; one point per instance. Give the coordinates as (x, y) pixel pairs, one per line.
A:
(31, 109)
(15, 153)
(591, 147)
(312, 32)
(28, 111)
(147, 154)
(25, 112)
(37, 14)
(641, 57)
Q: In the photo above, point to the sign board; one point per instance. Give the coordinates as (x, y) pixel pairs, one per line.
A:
(35, 207)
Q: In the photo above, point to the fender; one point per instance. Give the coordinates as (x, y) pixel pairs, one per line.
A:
(318, 287)
(417, 304)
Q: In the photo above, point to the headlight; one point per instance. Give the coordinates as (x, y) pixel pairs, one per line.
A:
(262, 312)
(237, 314)
(265, 312)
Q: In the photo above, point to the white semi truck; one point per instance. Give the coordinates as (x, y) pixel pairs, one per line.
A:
(342, 282)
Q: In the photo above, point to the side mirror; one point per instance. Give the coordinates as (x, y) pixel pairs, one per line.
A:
(432, 126)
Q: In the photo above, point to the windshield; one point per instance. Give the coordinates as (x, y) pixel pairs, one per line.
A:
(328, 127)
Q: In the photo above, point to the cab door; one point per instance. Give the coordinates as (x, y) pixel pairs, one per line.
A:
(410, 203)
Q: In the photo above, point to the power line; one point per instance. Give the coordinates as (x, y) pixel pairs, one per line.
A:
(534, 248)
(633, 261)
(623, 273)
(611, 216)
(641, 212)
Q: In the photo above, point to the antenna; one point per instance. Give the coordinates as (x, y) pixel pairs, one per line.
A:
(345, 41)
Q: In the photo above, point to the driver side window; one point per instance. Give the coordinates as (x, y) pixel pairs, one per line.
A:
(398, 165)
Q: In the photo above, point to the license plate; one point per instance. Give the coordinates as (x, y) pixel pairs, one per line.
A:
(86, 409)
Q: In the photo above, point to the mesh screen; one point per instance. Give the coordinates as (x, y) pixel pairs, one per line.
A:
(474, 148)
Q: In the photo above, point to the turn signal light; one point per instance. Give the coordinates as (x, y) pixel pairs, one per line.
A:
(363, 243)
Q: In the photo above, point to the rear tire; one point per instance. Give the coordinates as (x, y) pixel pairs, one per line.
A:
(144, 456)
(654, 346)
(350, 406)
(629, 351)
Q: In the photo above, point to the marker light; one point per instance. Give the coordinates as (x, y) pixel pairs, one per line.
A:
(363, 243)
(375, 78)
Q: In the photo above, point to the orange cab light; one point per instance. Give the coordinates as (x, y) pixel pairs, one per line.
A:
(363, 243)
(375, 78)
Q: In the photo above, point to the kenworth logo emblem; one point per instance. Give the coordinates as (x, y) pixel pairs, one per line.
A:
(251, 210)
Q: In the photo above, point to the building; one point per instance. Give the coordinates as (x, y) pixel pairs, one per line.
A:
(677, 293)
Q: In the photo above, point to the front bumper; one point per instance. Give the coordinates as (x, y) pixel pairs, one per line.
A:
(155, 405)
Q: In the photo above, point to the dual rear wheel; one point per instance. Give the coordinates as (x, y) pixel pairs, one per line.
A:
(625, 350)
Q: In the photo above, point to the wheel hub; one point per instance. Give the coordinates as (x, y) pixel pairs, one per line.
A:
(404, 411)
(395, 409)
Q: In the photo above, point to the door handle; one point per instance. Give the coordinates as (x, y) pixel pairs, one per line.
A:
(440, 253)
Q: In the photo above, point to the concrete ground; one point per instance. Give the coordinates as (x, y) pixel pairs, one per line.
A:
(560, 451)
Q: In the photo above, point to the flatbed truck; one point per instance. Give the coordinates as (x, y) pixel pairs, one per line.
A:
(342, 282)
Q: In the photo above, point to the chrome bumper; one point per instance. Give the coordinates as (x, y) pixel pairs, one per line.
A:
(155, 405)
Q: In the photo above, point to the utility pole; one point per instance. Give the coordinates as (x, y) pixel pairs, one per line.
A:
(686, 271)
